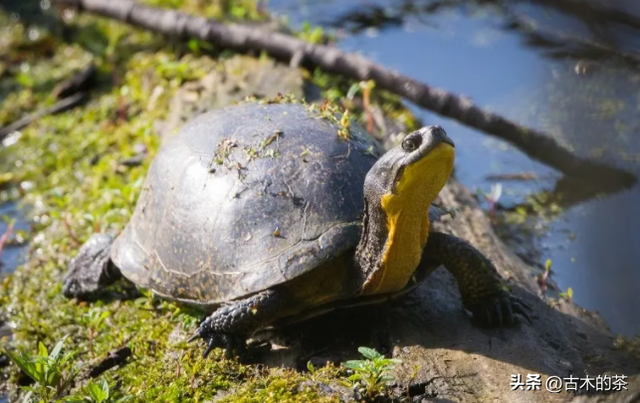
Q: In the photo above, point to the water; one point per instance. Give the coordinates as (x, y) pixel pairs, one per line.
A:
(466, 49)
(12, 253)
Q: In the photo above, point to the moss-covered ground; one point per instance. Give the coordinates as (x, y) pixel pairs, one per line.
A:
(66, 171)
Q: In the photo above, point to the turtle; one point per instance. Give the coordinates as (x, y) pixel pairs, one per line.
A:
(262, 212)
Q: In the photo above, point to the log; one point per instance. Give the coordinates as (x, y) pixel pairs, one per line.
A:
(245, 38)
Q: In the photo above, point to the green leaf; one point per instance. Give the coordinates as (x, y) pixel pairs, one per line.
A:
(42, 350)
(194, 45)
(22, 361)
(353, 90)
(310, 366)
(369, 353)
(97, 393)
(354, 364)
(58, 348)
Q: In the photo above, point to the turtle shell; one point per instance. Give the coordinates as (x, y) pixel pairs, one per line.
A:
(245, 198)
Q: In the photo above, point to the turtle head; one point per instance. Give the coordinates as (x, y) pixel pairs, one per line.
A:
(414, 172)
(399, 190)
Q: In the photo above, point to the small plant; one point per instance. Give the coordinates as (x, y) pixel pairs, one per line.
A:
(542, 280)
(94, 320)
(95, 393)
(371, 374)
(567, 295)
(52, 371)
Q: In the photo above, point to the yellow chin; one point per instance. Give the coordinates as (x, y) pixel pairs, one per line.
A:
(407, 211)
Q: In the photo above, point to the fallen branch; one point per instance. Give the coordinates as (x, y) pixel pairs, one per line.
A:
(333, 60)
(59, 107)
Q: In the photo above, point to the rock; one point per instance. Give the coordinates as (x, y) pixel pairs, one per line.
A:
(629, 395)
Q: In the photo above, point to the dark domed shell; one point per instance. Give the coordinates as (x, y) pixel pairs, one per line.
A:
(245, 198)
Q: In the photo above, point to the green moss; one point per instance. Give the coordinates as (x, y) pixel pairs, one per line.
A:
(283, 385)
(630, 345)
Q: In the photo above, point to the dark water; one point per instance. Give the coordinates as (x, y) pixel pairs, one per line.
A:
(594, 245)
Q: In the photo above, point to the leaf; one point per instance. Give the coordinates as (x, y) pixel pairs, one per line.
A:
(23, 363)
(57, 349)
(97, 393)
(42, 350)
(194, 46)
(354, 364)
(104, 385)
(369, 353)
(353, 90)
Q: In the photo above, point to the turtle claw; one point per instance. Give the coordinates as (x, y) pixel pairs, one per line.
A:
(211, 344)
(197, 335)
(231, 343)
(500, 311)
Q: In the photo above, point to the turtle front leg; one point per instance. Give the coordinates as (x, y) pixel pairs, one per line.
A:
(483, 290)
(91, 269)
(231, 325)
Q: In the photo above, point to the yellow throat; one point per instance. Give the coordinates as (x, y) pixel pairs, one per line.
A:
(407, 211)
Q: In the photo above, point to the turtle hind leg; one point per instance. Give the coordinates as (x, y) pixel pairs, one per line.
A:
(91, 270)
(231, 325)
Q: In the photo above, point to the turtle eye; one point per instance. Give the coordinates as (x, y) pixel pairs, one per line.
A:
(411, 144)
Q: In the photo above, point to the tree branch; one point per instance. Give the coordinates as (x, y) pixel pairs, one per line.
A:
(333, 60)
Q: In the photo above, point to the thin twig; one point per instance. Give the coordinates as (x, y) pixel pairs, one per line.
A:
(70, 232)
